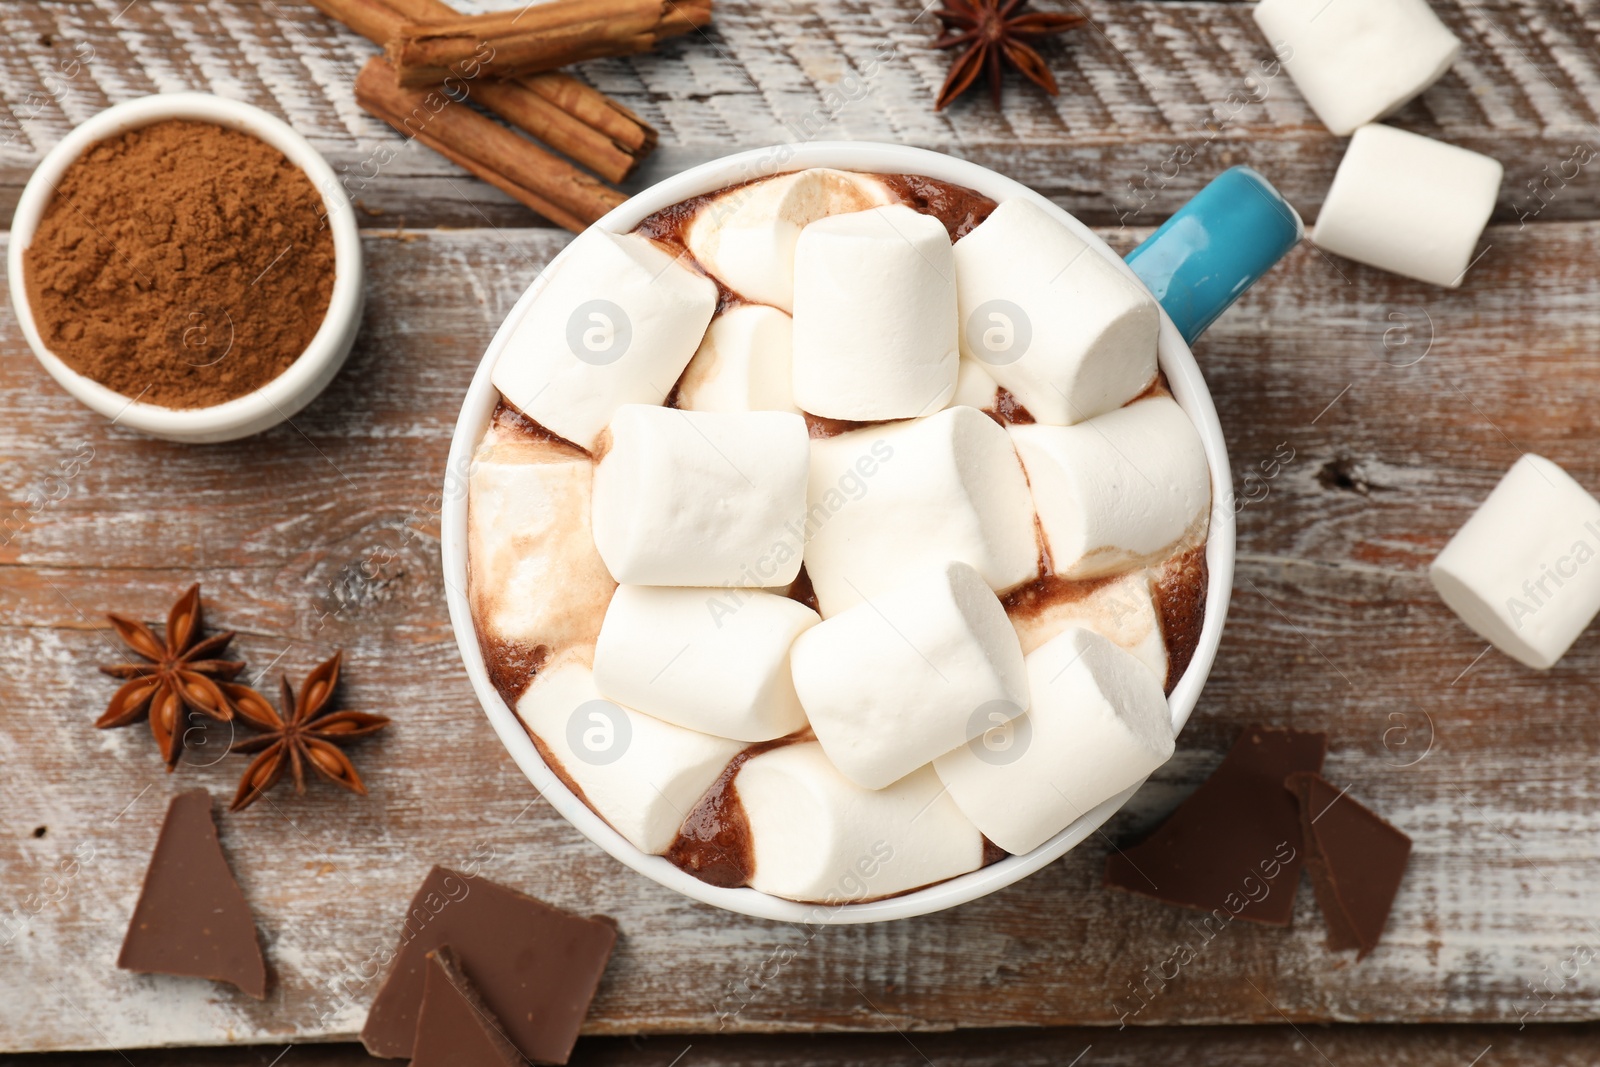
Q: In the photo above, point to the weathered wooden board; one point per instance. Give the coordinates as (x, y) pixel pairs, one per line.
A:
(1253, 1046)
(1400, 405)
(323, 535)
(1157, 96)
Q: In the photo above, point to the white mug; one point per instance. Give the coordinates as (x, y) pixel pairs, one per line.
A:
(1196, 265)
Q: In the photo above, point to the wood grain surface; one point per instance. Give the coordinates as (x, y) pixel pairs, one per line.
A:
(1400, 404)
(1237, 1046)
(322, 534)
(1157, 96)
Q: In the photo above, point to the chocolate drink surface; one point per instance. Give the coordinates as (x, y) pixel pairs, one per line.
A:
(776, 627)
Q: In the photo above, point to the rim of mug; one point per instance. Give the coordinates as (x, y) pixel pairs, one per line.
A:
(1184, 379)
(311, 370)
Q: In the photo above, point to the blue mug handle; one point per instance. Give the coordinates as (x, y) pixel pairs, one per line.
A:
(1215, 247)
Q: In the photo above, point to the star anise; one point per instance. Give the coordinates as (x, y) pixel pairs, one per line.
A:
(992, 31)
(183, 672)
(306, 732)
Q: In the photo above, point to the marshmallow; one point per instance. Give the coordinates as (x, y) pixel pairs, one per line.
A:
(815, 836)
(713, 660)
(744, 364)
(1522, 572)
(533, 575)
(1357, 60)
(1408, 204)
(1098, 724)
(975, 387)
(1122, 610)
(746, 235)
(641, 775)
(1118, 491)
(1054, 321)
(892, 683)
(616, 324)
(888, 500)
(874, 315)
(702, 498)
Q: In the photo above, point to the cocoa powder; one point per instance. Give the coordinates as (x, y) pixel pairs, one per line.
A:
(182, 263)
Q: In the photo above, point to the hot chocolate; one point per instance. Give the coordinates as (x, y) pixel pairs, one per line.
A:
(906, 521)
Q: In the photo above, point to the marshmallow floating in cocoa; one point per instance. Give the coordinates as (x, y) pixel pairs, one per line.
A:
(816, 836)
(1120, 490)
(701, 497)
(1357, 60)
(886, 501)
(912, 673)
(1524, 572)
(1409, 204)
(746, 235)
(616, 324)
(874, 315)
(1097, 724)
(975, 387)
(528, 535)
(1052, 320)
(639, 773)
(1123, 610)
(714, 660)
(744, 364)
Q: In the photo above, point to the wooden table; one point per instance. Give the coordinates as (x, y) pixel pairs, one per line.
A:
(1402, 405)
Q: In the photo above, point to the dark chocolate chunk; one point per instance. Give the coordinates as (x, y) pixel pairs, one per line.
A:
(1356, 861)
(1234, 847)
(455, 1028)
(191, 918)
(537, 967)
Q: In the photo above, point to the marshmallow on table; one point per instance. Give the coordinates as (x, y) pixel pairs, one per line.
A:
(746, 235)
(1523, 572)
(638, 773)
(874, 315)
(714, 660)
(1123, 610)
(1118, 491)
(616, 324)
(1409, 204)
(702, 498)
(744, 363)
(1050, 318)
(975, 387)
(887, 500)
(1357, 60)
(816, 836)
(892, 683)
(1097, 725)
(528, 534)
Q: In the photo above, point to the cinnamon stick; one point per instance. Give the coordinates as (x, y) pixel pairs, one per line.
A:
(591, 106)
(516, 166)
(372, 19)
(527, 109)
(539, 38)
(563, 112)
(580, 122)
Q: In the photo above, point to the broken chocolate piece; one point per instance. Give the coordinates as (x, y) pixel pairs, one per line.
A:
(455, 1028)
(1356, 861)
(536, 967)
(1234, 847)
(191, 918)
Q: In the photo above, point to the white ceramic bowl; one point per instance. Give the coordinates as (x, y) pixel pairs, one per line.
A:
(289, 391)
(1187, 387)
